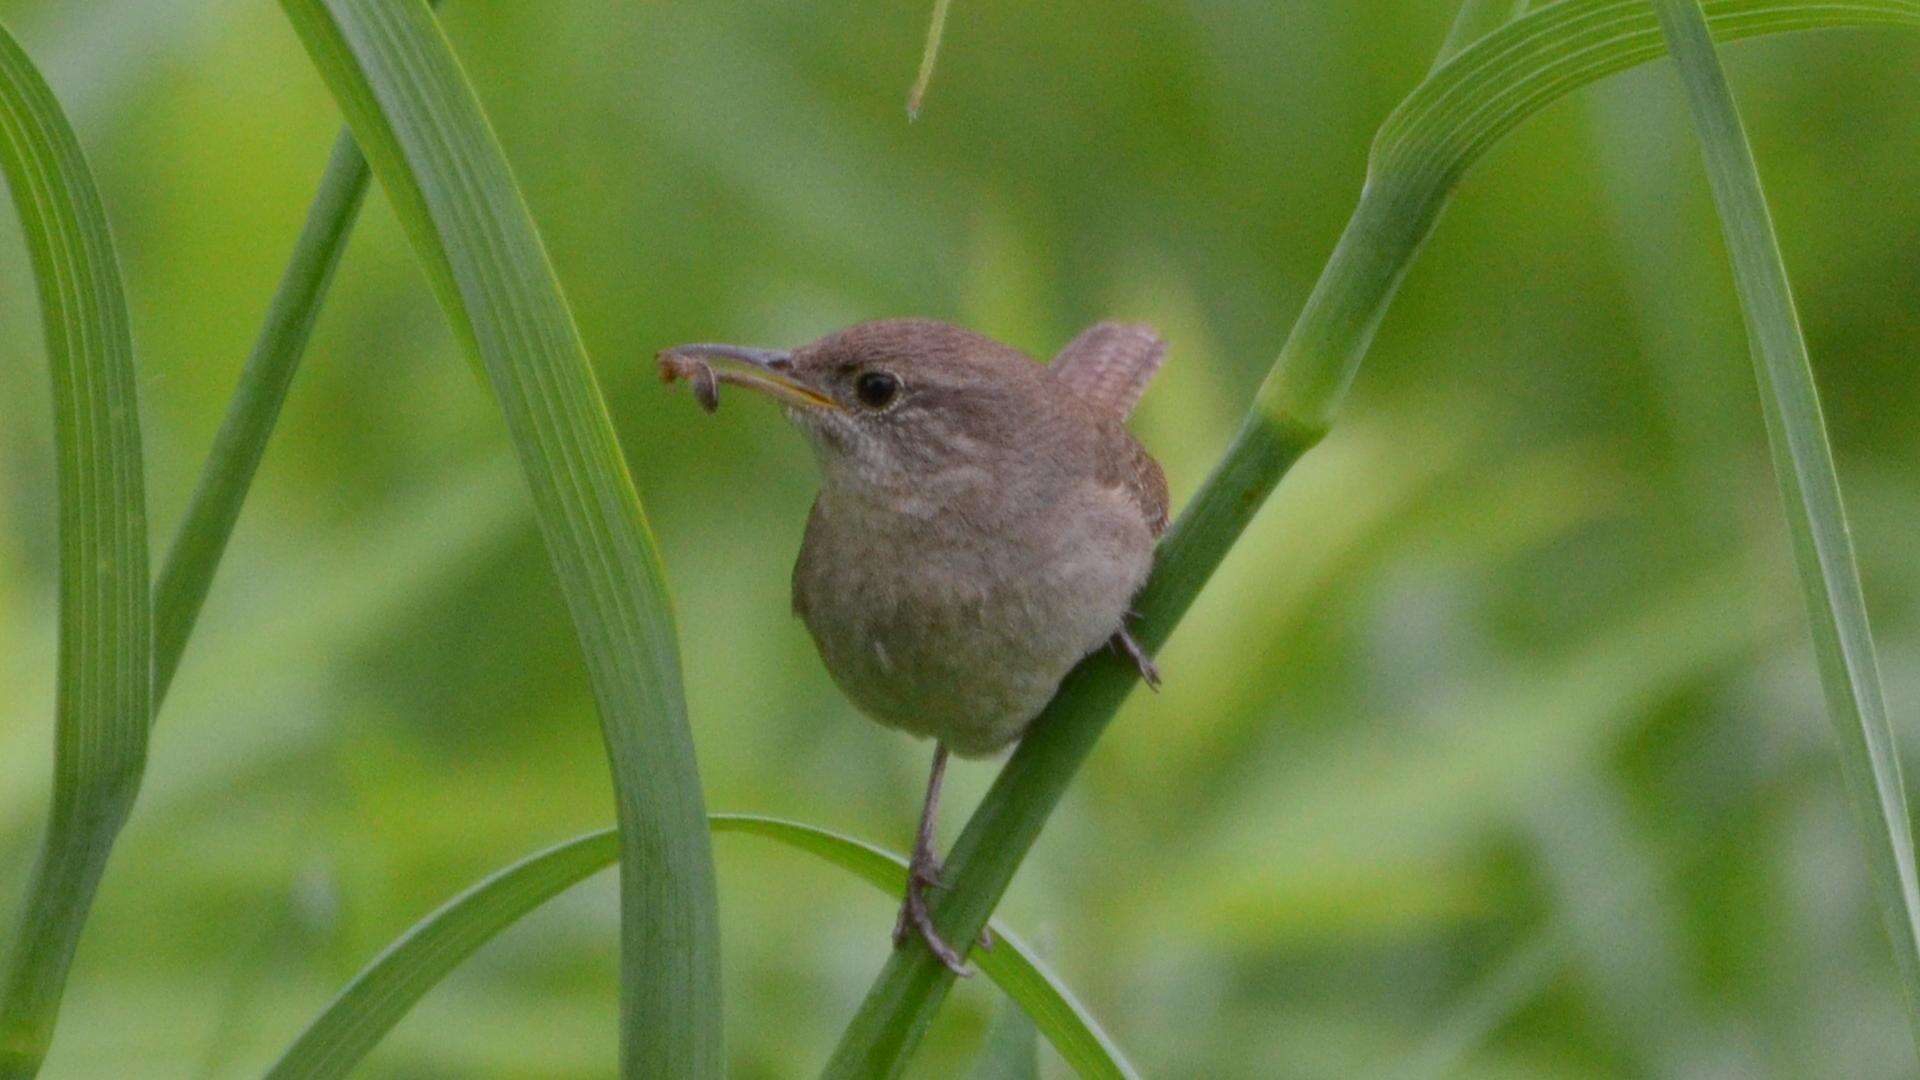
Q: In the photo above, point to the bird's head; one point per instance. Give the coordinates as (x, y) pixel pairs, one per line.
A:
(893, 403)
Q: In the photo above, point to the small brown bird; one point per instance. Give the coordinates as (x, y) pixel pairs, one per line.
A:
(983, 523)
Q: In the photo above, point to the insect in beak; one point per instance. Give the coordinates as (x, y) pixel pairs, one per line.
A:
(769, 371)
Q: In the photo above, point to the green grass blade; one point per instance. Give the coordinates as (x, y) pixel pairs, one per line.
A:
(1810, 489)
(1418, 157)
(1475, 20)
(187, 572)
(362, 1013)
(1011, 964)
(416, 118)
(929, 56)
(388, 987)
(1449, 121)
(105, 643)
(1012, 1047)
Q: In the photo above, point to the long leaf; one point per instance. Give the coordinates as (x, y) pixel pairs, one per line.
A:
(1420, 154)
(186, 574)
(416, 118)
(388, 987)
(1809, 488)
(105, 644)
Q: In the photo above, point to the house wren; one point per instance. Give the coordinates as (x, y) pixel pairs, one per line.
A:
(983, 523)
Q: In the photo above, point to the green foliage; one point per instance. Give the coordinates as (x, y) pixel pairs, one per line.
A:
(389, 987)
(105, 646)
(1810, 489)
(1492, 740)
(423, 131)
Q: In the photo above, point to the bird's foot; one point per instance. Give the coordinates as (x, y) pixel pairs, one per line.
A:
(1129, 648)
(922, 875)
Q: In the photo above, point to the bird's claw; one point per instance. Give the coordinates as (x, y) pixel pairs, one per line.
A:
(1129, 648)
(915, 915)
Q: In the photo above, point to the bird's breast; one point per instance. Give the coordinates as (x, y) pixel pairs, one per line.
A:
(959, 622)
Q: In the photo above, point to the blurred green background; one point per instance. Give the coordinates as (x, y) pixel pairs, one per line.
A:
(1495, 747)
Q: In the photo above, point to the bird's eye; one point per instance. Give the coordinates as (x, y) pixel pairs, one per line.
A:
(876, 389)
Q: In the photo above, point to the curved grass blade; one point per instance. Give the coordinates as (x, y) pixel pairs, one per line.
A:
(1453, 118)
(1810, 489)
(388, 987)
(1425, 146)
(1011, 964)
(1475, 20)
(362, 1013)
(416, 118)
(105, 645)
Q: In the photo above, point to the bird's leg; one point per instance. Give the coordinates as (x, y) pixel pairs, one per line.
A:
(1129, 648)
(923, 872)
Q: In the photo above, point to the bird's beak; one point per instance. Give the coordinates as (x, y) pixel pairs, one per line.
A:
(769, 371)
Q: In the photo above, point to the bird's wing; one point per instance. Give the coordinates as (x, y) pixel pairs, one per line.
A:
(1149, 486)
(1110, 364)
(1127, 466)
